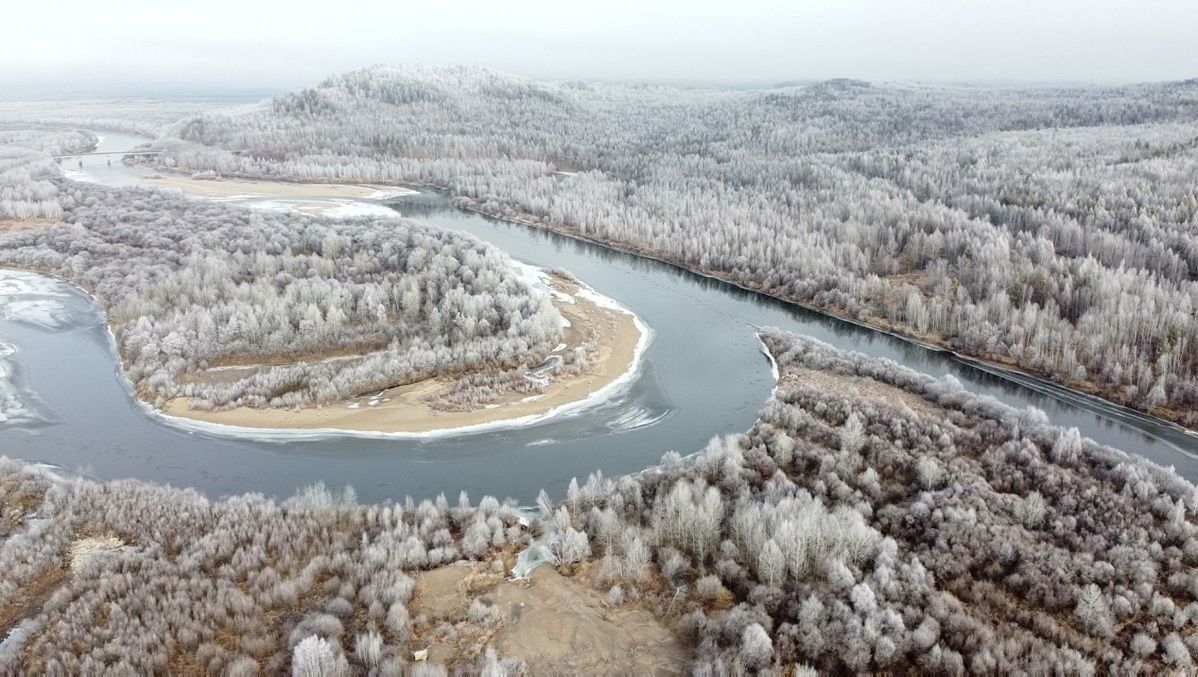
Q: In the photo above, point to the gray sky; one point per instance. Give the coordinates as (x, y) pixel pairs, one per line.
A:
(157, 45)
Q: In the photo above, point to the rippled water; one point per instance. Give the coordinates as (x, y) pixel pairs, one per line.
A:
(703, 375)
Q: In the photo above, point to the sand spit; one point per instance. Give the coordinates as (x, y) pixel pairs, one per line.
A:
(239, 188)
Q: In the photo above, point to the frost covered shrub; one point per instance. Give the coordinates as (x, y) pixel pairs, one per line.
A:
(28, 189)
(315, 657)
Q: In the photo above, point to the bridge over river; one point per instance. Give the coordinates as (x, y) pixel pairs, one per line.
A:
(111, 152)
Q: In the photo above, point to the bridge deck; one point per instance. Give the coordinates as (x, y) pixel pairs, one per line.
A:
(111, 152)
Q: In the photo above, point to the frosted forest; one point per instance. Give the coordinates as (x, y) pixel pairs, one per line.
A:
(1051, 229)
(872, 518)
(188, 287)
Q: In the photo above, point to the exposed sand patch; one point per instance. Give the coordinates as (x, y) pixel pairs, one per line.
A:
(17, 225)
(279, 189)
(405, 408)
(557, 624)
(83, 549)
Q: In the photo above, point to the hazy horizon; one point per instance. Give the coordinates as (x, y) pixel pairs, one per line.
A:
(77, 48)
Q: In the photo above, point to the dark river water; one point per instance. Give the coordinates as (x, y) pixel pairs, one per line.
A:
(703, 375)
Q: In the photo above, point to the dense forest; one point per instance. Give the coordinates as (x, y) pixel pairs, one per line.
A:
(240, 586)
(190, 286)
(27, 186)
(1053, 229)
(877, 519)
(873, 519)
(131, 115)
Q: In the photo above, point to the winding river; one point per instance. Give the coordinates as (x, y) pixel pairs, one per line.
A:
(703, 375)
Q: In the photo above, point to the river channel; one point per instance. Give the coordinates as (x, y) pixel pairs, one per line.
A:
(703, 374)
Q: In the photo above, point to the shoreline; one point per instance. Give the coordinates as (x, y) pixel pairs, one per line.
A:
(402, 412)
(1006, 370)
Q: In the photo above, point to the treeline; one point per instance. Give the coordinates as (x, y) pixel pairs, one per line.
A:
(189, 286)
(1048, 228)
(874, 519)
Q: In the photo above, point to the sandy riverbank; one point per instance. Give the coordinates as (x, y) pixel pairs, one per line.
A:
(558, 624)
(618, 336)
(228, 188)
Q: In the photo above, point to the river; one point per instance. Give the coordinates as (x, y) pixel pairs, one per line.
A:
(703, 375)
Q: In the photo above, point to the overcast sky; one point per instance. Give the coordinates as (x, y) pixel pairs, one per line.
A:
(214, 45)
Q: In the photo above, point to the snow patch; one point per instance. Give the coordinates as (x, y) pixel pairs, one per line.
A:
(773, 363)
(15, 405)
(600, 300)
(44, 313)
(391, 192)
(349, 210)
(11, 645)
(78, 175)
(532, 276)
(34, 300)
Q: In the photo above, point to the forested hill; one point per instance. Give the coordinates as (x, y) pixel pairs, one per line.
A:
(1053, 229)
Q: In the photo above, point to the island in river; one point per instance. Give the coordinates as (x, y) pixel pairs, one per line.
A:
(613, 338)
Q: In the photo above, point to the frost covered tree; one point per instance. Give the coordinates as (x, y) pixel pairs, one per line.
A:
(315, 657)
